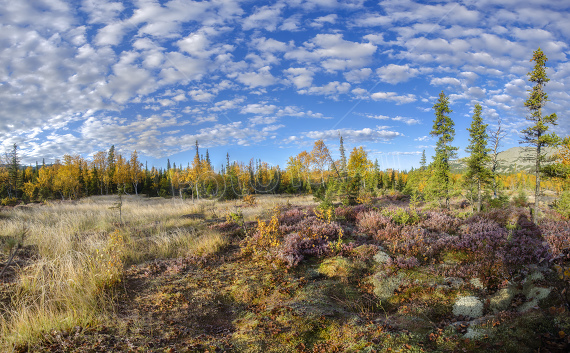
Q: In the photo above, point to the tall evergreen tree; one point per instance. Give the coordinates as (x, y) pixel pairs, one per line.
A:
(14, 174)
(443, 128)
(342, 158)
(477, 171)
(423, 160)
(536, 135)
(208, 162)
(111, 159)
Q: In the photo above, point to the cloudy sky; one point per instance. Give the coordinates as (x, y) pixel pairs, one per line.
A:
(266, 79)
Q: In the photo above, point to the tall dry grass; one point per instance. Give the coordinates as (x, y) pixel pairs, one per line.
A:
(81, 251)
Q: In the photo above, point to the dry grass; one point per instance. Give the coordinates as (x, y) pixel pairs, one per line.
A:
(81, 249)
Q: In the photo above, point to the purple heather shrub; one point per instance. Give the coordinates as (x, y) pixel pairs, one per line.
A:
(291, 251)
(403, 262)
(511, 215)
(360, 208)
(440, 222)
(371, 222)
(557, 236)
(292, 216)
(313, 227)
(296, 247)
(388, 234)
(346, 213)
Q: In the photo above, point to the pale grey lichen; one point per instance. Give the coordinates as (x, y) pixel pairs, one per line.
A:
(384, 287)
(381, 257)
(502, 299)
(468, 306)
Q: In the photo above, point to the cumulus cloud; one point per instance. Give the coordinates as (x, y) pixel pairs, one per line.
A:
(363, 135)
(333, 52)
(260, 78)
(396, 73)
(394, 97)
(331, 89)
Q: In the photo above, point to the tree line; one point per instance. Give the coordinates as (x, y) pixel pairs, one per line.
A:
(316, 172)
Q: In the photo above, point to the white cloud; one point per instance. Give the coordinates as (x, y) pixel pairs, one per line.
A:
(266, 17)
(101, 11)
(364, 135)
(321, 21)
(407, 121)
(331, 89)
(262, 109)
(445, 81)
(201, 96)
(261, 78)
(333, 52)
(300, 76)
(396, 73)
(358, 75)
(394, 97)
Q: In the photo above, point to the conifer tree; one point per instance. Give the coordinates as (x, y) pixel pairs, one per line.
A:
(14, 174)
(536, 135)
(423, 160)
(477, 170)
(342, 158)
(111, 158)
(443, 127)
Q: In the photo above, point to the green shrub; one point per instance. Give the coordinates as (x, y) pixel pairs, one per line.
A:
(520, 199)
(9, 201)
(500, 201)
(563, 204)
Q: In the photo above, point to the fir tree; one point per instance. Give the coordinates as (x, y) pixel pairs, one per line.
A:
(536, 135)
(423, 160)
(477, 171)
(443, 127)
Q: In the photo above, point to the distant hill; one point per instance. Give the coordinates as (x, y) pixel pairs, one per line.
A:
(511, 160)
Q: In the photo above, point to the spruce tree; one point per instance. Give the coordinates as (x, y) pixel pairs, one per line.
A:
(111, 165)
(14, 174)
(423, 161)
(477, 171)
(536, 135)
(443, 128)
(342, 158)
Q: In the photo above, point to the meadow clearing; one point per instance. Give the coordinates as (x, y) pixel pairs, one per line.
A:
(280, 274)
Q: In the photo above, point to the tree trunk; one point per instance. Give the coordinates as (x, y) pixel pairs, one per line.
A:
(478, 195)
(537, 186)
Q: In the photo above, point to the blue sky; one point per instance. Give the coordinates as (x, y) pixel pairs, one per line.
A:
(266, 79)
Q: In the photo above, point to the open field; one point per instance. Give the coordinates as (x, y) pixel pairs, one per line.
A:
(166, 275)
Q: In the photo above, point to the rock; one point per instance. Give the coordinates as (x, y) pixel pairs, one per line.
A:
(502, 299)
(381, 257)
(384, 287)
(468, 306)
